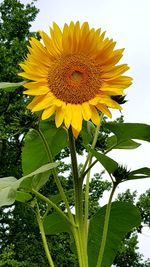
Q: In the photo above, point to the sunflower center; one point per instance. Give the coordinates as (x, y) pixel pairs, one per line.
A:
(74, 79)
(77, 76)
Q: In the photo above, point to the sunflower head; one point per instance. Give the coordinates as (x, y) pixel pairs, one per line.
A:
(73, 74)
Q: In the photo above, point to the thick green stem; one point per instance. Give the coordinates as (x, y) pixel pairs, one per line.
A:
(79, 233)
(89, 162)
(105, 228)
(77, 182)
(46, 248)
(92, 147)
(54, 172)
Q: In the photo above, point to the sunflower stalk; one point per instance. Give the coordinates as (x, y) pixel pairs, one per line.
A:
(89, 160)
(79, 234)
(89, 156)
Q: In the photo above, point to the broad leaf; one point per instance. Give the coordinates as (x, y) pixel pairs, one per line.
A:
(11, 87)
(8, 188)
(7, 181)
(124, 216)
(139, 173)
(55, 223)
(109, 164)
(37, 178)
(34, 154)
(127, 131)
(57, 198)
(127, 144)
(87, 132)
(23, 196)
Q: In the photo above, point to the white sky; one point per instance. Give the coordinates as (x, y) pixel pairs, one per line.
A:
(127, 22)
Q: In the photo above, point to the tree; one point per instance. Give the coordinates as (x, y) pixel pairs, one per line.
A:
(15, 23)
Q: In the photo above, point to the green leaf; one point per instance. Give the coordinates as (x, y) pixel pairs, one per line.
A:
(11, 87)
(55, 223)
(7, 181)
(127, 131)
(109, 164)
(139, 173)
(57, 198)
(127, 144)
(124, 216)
(8, 188)
(34, 154)
(87, 132)
(23, 196)
(37, 178)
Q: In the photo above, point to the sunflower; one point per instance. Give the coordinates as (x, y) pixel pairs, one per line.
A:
(73, 73)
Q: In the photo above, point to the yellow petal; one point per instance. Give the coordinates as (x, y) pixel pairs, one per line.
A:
(46, 102)
(35, 101)
(60, 112)
(95, 100)
(86, 111)
(120, 82)
(56, 35)
(65, 39)
(114, 72)
(33, 76)
(48, 112)
(34, 85)
(75, 133)
(58, 102)
(110, 103)
(76, 117)
(41, 90)
(104, 109)
(95, 116)
(68, 115)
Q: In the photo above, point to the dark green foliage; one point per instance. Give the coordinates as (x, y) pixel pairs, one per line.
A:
(128, 255)
(144, 206)
(15, 22)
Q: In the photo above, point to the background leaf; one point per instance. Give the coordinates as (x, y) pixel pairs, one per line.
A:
(34, 154)
(139, 173)
(11, 87)
(8, 188)
(37, 178)
(112, 142)
(22, 196)
(124, 216)
(127, 131)
(55, 223)
(109, 164)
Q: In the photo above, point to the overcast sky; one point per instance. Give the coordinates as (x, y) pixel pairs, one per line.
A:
(127, 22)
